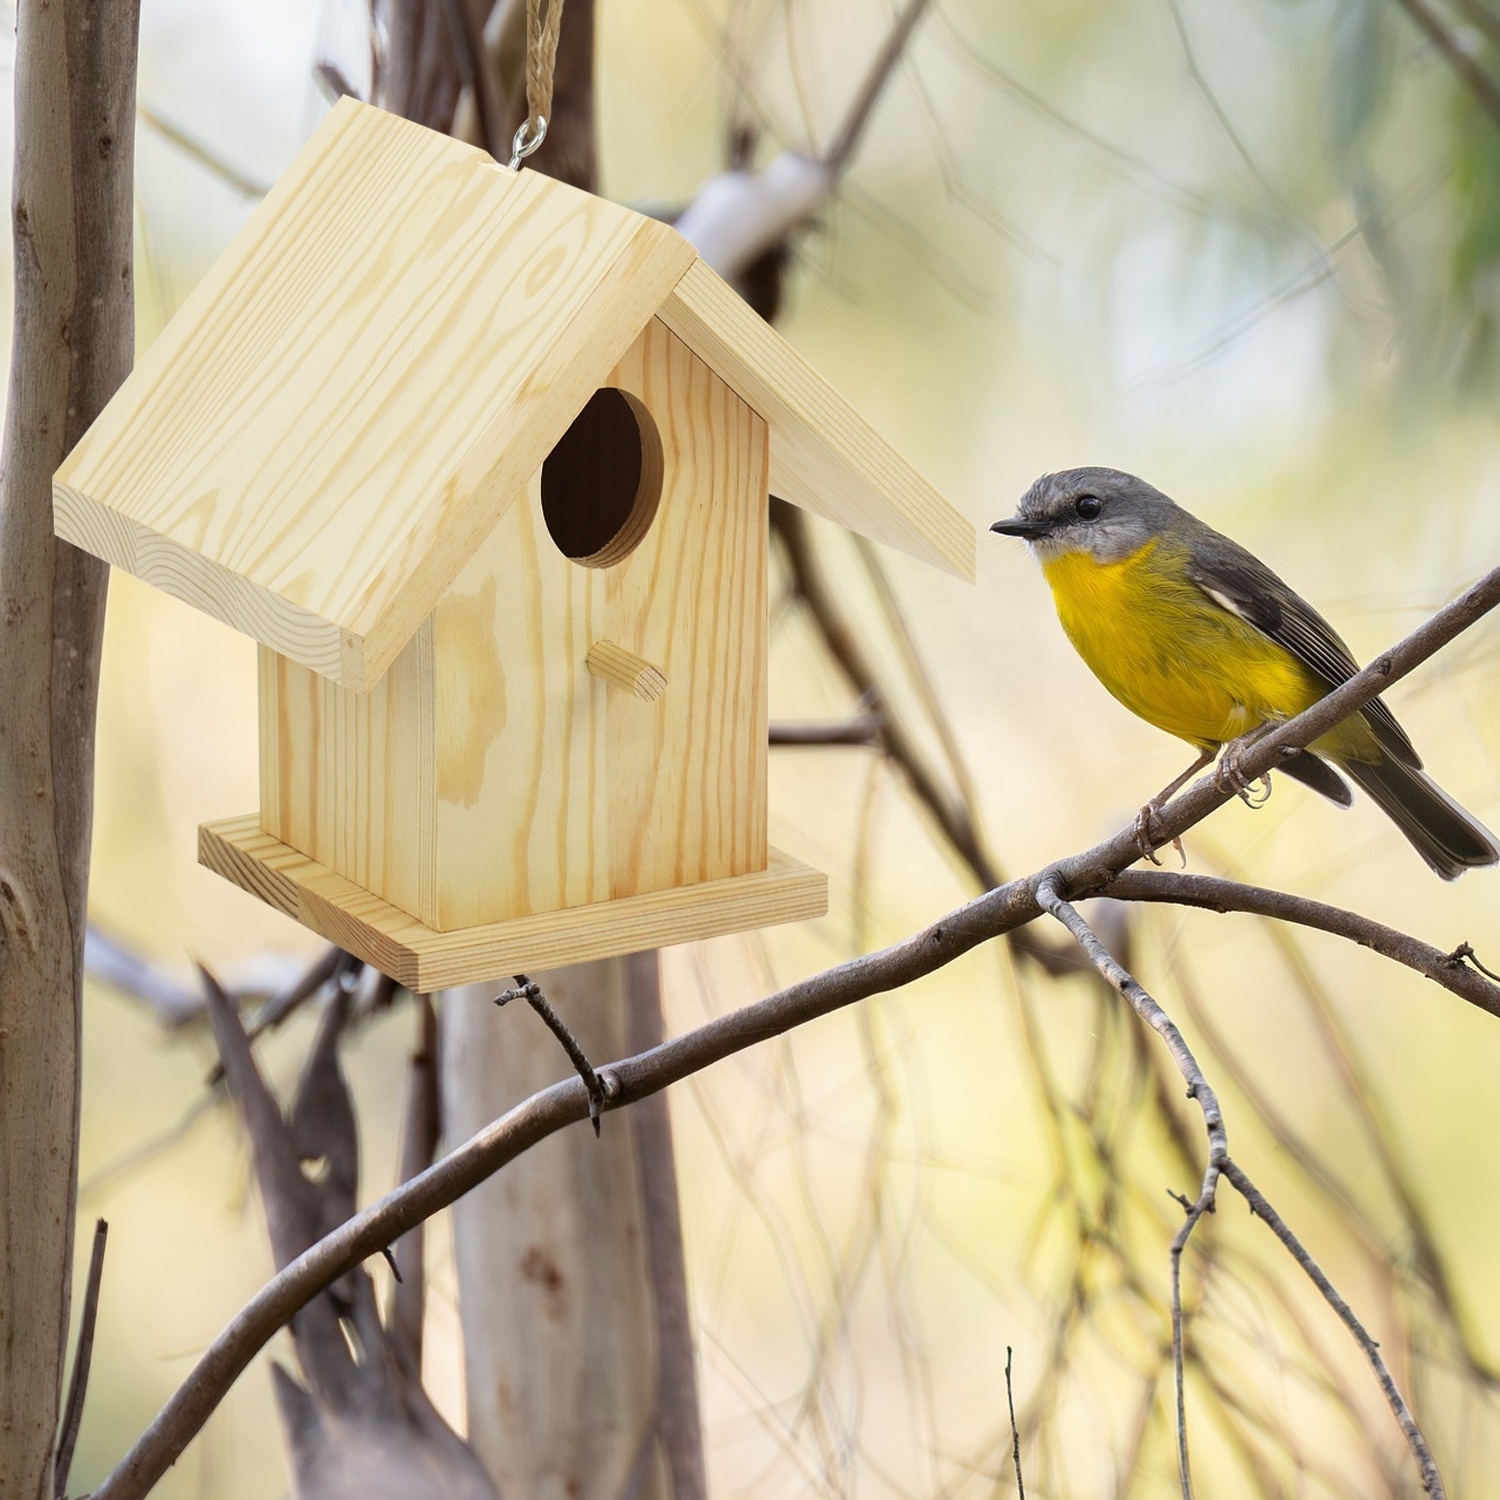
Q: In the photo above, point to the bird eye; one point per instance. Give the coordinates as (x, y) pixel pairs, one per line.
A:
(1088, 506)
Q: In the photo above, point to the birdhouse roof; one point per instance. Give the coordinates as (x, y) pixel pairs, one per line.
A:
(370, 373)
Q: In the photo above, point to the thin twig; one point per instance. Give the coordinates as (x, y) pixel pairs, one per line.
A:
(1465, 953)
(334, 81)
(1476, 80)
(1216, 894)
(1015, 1432)
(108, 960)
(1219, 1162)
(331, 966)
(1431, 1480)
(531, 992)
(859, 729)
(998, 911)
(468, 52)
(843, 145)
(78, 1382)
(962, 832)
(1477, 13)
(251, 187)
(1199, 1090)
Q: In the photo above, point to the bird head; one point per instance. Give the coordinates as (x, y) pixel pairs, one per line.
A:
(1104, 512)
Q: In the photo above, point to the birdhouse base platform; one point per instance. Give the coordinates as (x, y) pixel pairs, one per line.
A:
(423, 960)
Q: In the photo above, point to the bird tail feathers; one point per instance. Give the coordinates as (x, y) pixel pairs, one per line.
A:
(1447, 837)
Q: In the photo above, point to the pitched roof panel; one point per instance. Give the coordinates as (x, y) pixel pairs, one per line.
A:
(369, 374)
(824, 456)
(350, 399)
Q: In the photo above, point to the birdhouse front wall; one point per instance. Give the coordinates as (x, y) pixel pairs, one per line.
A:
(491, 774)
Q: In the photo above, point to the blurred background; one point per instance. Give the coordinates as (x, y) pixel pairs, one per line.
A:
(1249, 249)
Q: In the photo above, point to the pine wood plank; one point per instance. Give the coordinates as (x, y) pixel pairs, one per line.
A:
(555, 789)
(350, 778)
(824, 456)
(422, 959)
(363, 381)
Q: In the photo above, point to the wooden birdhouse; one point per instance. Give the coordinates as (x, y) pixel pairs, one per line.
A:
(482, 463)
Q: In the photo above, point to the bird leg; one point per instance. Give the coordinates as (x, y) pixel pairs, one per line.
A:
(1145, 839)
(1228, 777)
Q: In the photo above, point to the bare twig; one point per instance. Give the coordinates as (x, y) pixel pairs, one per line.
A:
(1470, 74)
(859, 729)
(998, 911)
(1015, 1432)
(251, 187)
(1219, 1162)
(1199, 1090)
(468, 53)
(1216, 894)
(1465, 954)
(332, 966)
(1478, 14)
(78, 1381)
(109, 960)
(531, 992)
(843, 145)
(334, 81)
(1431, 1480)
(811, 586)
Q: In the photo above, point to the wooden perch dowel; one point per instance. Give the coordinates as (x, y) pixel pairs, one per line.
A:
(626, 670)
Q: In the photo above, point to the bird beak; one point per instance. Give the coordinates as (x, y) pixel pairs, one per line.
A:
(1019, 526)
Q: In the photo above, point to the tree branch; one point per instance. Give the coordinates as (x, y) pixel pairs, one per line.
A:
(998, 911)
(1199, 1090)
(1475, 79)
(83, 1359)
(1219, 1163)
(1215, 894)
(862, 728)
(844, 144)
(1478, 14)
(1431, 1480)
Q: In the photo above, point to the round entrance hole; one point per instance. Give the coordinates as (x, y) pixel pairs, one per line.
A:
(602, 482)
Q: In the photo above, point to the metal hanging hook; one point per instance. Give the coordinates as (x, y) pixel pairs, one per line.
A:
(522, 144)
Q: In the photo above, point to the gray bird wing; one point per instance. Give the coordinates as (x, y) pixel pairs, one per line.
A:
(1238, 581)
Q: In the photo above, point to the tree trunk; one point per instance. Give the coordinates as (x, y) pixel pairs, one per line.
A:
(74, 340)
(576, 1335)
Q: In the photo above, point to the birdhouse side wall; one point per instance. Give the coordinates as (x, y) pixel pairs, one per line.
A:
(557, 788)
(349, 778)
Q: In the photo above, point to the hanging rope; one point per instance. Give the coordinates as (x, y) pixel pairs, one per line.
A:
(541, 59)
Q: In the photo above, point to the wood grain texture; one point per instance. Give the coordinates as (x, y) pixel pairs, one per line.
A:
(363, 381)
(422, 959)
(824, 456)
(492, 774)
(626, 670)
(554, 788)
(350, 778)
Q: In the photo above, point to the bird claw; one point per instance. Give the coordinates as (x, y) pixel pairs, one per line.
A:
(1256, 799)
(1228, 776)
(1143, 839)
(1149, 837)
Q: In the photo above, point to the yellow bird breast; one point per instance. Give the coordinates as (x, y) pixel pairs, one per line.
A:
(1170, 653)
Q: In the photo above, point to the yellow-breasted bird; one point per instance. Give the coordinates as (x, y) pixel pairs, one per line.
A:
(1202, 639)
